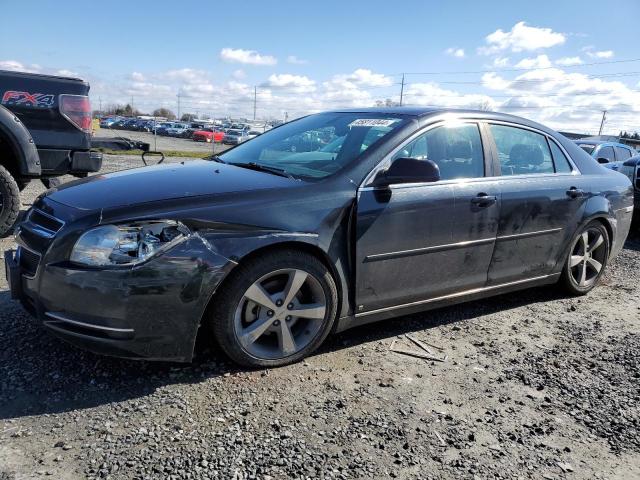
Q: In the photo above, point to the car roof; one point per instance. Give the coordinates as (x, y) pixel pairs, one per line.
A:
(417, 111)
(601, 142)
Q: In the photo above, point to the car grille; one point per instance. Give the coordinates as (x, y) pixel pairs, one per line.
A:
(28, 261)
(35, 235)
(49, 224)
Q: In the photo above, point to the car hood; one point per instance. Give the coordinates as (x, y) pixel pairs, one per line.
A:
(163, 182)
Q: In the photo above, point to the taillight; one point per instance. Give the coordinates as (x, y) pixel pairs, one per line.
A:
(76, 109)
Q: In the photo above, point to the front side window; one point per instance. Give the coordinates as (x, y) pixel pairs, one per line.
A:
(316, 146)
(456, 149)
(521, 151)
(622, 153)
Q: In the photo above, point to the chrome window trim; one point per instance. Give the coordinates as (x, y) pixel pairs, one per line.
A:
(365, 185)
(371, 175)
(575, 169)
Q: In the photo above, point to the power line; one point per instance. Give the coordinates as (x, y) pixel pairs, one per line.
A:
(516, 69)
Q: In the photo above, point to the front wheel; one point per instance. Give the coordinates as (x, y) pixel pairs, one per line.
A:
(587, 259)
(9, 201)
(275, 310)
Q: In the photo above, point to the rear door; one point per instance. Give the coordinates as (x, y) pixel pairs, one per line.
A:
(542, 201)
(423, 240)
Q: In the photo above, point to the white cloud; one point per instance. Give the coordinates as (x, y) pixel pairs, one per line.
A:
(187, 75)
(568, 61)
(520, 38)
(455, 52)
(541, 61)
(239, 74)
(295, 83)
(601, 54)
(63, 72)
(432, 94)
(137, 76)
(360, 77)
(296, 61)
(501, 62)
(248, 57)
(15, 66)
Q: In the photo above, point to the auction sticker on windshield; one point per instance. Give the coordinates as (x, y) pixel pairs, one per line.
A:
(373, 122)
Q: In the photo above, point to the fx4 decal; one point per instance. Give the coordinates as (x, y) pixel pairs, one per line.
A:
(38, 100)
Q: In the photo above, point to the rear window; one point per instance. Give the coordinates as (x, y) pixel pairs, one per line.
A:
(622, 153)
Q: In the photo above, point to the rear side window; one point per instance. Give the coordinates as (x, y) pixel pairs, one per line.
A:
(606, 153)
(521, 151)
(559, 159)
(456, 149)
(622, 153)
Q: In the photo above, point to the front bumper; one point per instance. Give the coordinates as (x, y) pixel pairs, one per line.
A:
(151, 311)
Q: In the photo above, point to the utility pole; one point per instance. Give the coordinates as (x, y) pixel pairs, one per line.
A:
(131, 105)
(255, 98)
(402, 89)
(604, 117)
(178, 106)
(286, 116)
(100, 105)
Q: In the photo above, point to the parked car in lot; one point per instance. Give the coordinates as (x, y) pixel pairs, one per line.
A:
(163, 128)
(208, 135)
(253, 134)
(607, 153)
(107, 122)
(235, 137)
(269, 251)
(177, 129)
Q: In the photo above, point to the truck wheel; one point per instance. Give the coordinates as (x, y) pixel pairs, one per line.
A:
(9, 201)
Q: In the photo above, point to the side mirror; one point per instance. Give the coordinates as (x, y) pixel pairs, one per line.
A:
(409, 170)
(603, 160)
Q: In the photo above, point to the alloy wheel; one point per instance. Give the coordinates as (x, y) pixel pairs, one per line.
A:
(588, 256)
(280, 314)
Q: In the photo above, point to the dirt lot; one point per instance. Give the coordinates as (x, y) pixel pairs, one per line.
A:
(535, 385)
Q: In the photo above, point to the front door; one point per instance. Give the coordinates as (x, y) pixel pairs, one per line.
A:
(420, 241)
(542, 198)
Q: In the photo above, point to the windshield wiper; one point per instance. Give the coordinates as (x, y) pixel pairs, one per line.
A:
(264, 168)
(216, 158)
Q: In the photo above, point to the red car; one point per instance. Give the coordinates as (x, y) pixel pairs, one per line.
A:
(206, 135)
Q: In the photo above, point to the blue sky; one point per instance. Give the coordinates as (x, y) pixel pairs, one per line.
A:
(307, 56)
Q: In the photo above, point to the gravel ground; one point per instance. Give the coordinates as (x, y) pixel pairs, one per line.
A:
(534, 385)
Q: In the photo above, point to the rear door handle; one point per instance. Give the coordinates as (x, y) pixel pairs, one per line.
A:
(484, 200)
(574, 192)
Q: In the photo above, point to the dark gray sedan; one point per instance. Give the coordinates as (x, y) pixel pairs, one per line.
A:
(330, 221)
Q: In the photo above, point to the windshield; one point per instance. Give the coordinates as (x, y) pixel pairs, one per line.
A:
(587, 148)
(315, 146)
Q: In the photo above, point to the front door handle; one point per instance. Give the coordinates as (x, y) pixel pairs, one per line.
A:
(574, 192)
(484, 200)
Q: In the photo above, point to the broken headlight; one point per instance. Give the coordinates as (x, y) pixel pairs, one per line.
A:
(113, 245)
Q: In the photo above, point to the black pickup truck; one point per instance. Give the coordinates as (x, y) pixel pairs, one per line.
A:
(45, 132)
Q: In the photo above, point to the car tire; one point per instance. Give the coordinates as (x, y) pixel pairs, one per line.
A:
(285, 342)
(586, 260)
(9, 201)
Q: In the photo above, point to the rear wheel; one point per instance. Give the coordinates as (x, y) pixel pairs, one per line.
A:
(587, 259)
(275, 310)
(9, 201)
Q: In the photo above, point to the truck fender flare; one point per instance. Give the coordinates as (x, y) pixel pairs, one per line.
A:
(20, 142)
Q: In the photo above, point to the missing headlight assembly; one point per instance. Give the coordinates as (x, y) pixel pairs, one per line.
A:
(126, 245)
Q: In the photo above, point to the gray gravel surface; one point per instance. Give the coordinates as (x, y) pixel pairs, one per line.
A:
(535, 385)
